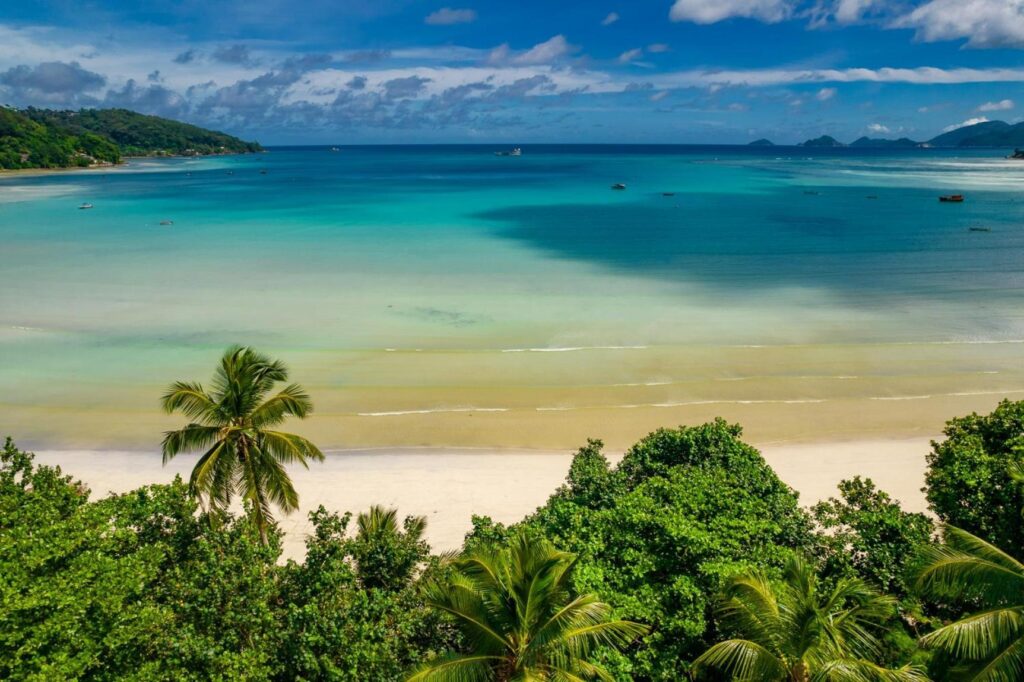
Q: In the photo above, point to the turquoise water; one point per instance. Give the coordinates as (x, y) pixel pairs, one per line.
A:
(346, 263)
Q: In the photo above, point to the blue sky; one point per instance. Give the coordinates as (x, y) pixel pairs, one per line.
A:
(688, 71)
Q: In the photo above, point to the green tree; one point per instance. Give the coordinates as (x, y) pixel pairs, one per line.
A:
(336, 628)
(970, 481)
(866, 533)
(521, 619)
(799, 630)
(385, 554)
(658, 535)
(988, 645)
(233, 427)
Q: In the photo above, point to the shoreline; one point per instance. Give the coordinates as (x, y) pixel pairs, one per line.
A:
(449, 485)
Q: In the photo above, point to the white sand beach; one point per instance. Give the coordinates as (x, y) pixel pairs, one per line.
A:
(449, 485)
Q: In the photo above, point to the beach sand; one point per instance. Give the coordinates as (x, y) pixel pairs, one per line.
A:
(449, 485)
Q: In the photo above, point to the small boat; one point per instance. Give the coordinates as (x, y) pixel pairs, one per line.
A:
(335, 149)
(952, 198)
(618, 185)
(979, 229)
(166, 222)
(263, 171)
(811, 192)
(668, 194)
(231, 172)
(871, 196)
(514, 152)
(84, 206)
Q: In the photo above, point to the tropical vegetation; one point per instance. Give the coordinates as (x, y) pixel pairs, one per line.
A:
(42, 138)
(233, 427)
(520, 617)
(689, 559)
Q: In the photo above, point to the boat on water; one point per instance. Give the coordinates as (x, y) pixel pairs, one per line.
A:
(166, 222)
(979, 229)
(263, 171)
(516, 151)
(84, 206)
(668, 194)
(618, 185)
(952, 198)
(335, 149)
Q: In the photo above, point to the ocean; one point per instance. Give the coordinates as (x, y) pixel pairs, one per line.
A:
(443, 295)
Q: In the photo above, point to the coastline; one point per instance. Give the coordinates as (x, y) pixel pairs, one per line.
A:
(449, 485)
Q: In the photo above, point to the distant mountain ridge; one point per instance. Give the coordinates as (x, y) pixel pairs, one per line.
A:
(42, 138)
(984, 134)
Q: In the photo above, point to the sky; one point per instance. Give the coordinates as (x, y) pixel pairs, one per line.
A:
(574, 71)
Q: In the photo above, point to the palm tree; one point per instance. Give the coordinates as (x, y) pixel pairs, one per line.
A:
(990, 643)
(387, 554)
(232, 426)
(522, 621)
(798, 630)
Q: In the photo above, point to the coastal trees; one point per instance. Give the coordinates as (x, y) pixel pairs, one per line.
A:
(987, 645)
(385, 554)
(233, 426)
(866, 533)
(800, 629)
(659, 534)
(520, 617)
(971, 480)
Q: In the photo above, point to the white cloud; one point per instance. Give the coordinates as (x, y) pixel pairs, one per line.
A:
(610, 19)
(656, 48)
(630, 55)
(1001, 105)
(963, 124)
(447, 16)
(712, 11)
(546, 52)
(878, 128)
(984, 23)
(825, 94)
(851, 11)
(925, 75)
(658, 96)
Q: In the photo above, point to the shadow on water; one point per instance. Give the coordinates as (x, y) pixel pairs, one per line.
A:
(850, 240)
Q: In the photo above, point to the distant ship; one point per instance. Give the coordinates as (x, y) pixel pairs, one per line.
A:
(335, 149)
(515, 152)
(618, 185)
(952, 198)
(85, 206)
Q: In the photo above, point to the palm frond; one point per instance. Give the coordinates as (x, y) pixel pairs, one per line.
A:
(190, 399)
(288, 448)
(741, 659)
(455, 668)
(189, 439)
(292, 400)
(979, 636)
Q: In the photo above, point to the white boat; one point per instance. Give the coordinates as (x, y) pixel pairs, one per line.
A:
(515, 152)
(84, 206)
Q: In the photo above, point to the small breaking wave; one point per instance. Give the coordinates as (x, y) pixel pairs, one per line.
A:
(400, 413)
(569, 349)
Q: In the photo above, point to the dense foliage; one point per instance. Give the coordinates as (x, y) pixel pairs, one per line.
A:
(41, 138)
(27, 143)
(659, 534)
(143, 586)
(971, 482)
(687, 533)
(800, 628)
(521, 618)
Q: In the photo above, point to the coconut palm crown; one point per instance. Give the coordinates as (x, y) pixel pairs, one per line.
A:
(797, 630)
(989, 644)
(233, 425)
(521, 619)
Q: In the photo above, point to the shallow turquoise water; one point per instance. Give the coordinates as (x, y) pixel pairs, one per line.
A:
(453, 248)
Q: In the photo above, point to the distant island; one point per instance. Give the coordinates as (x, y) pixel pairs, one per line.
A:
(763, 142)
(985, 134)
(42, 138)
